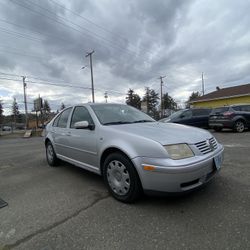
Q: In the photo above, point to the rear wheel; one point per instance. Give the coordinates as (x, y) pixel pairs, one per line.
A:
(239, 126)
(50, 155)
(121, 178)
(217, 129)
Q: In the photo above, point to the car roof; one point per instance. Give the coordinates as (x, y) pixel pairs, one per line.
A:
(240, 104)
(233, 105)
(96, 104)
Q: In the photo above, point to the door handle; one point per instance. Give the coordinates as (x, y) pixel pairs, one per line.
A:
(68, 134)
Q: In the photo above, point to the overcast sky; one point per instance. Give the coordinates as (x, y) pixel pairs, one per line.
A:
(135, 41)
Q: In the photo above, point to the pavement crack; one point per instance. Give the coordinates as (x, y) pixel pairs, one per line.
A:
(43, 230)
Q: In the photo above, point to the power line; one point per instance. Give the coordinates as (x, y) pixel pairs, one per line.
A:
(20, 53)
(81, 27)
(55, 20)
(54, 84)
(45, 83)
(17, 34)
(32, 31)
(34, 77)
(68, 26)
(91, 22)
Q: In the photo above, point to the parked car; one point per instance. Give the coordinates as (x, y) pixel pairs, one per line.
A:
(6, 128)
(236, 117)
(197, 117)
(132, 151)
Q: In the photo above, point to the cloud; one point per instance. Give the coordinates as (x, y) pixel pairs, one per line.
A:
(134, 41)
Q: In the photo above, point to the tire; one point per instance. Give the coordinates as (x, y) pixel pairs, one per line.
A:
(239, 126)
(217, 129)
(121, 178)
(51, 155)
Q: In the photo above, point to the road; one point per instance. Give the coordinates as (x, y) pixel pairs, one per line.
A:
(69, 208)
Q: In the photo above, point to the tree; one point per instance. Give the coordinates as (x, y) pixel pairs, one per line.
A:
(46, 109)
(1, 112)
(46, 106)
(151, 98)
(193, 96)
(15, 110)
(62, 106)
(133, 99)
(168, 102)
(38, 104)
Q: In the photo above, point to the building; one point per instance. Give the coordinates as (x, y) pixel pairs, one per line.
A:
(223, 96)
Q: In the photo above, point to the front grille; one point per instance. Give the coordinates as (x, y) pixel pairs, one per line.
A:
(207, 146)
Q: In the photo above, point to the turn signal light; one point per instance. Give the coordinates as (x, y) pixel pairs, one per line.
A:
(148, 168)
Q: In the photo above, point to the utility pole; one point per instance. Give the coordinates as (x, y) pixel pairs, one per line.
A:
(14, 113)
(202, 78)
(161, 77)
(25, 102)
(106, 96)
(91, 69)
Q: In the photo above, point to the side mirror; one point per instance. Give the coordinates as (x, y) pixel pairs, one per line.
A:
(182, 116)
(83, 125)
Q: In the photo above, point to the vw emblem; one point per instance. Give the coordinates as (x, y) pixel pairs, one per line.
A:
(210, 145)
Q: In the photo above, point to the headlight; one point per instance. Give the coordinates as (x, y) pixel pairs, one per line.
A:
(179, 151)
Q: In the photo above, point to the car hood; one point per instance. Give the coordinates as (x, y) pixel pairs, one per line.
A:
(164, 133)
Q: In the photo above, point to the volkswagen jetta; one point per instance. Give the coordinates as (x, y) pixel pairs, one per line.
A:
(132, 151)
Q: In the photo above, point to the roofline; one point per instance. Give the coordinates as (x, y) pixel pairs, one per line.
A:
(219, 98)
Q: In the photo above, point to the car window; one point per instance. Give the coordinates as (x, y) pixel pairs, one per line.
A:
(201, 112)
(62, 122)
(119, 114)
(55, 123)
(245, 108)
(164, 119)
(186, 114)
(80, 114)
(219, 110)
(237, 108)
(176, 114)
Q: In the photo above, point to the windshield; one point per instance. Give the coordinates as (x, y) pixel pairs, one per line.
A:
(110, 114)
(176, 114)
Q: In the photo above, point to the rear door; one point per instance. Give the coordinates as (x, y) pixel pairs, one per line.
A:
(246, 113)
(217, 113)
(60, 132)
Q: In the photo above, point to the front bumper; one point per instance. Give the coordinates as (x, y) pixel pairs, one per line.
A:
(173, 176)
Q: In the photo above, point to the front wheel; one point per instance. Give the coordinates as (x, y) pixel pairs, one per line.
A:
(121, 178)
(239, 126)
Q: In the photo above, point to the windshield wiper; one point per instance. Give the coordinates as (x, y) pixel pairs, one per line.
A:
(116, 123)
(139, 121)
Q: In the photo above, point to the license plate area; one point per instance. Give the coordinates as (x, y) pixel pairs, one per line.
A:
(218, 161)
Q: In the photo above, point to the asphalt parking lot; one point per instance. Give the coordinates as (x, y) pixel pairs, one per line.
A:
(69, 208)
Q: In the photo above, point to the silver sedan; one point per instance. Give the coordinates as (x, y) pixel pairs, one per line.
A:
(132, 152)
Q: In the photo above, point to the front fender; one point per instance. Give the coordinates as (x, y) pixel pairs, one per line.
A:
(134, 146)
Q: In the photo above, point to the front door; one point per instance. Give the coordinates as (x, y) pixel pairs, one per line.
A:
(83, 142)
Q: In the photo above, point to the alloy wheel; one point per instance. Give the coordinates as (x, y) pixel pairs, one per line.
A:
(239, 126)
